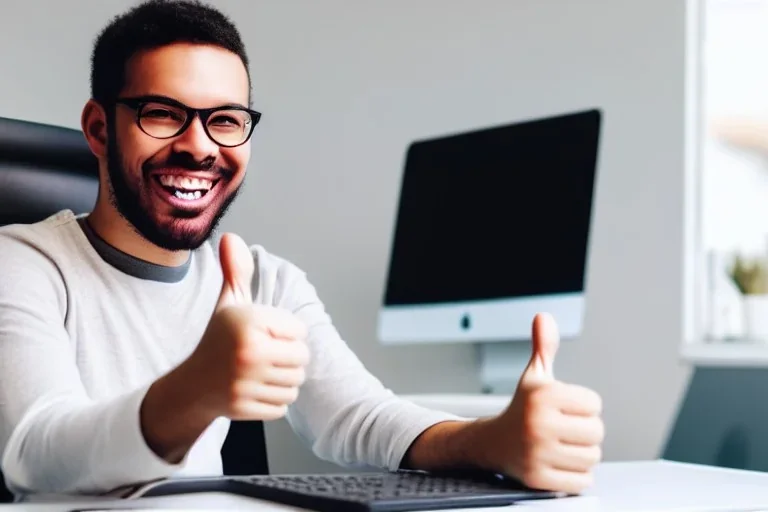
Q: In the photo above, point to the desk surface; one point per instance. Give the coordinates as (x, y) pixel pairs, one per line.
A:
(619, 486)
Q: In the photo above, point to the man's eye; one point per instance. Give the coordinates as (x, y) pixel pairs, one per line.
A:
(225, 121)
(157, 113)
(161, 114)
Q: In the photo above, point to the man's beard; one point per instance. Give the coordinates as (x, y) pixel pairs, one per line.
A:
(128, 203)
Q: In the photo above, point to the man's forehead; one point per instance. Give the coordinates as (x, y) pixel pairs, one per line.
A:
(198, 75)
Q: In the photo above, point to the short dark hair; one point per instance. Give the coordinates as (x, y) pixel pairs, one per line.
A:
(153, 24)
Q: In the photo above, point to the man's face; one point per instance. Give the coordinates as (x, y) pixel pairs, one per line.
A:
(175, 190)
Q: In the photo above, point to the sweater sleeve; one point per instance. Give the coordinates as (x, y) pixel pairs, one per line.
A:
(53, 437)
(343, 412)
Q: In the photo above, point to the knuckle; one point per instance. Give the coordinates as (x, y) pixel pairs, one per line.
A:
(301, 376)
(537, 426)
(276, 412)
(578, 482)
(534, 457)
(597, 455)
(535, 479)
(250, 359)
(293, 394)
(253, 352)
(588, 397)
(257, 348)
(599, 431)
(296, 353)
(585, 481)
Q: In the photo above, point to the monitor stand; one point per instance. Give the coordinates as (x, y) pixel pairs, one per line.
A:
(501, 364)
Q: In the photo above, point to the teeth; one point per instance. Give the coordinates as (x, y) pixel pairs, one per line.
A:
(189, 196)
(185, 183)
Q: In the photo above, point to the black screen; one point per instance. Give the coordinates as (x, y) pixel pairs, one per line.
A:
(496, 213)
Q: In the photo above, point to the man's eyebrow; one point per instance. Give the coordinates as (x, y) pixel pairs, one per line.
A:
(233, 105)
(158, 97)
(168, 99)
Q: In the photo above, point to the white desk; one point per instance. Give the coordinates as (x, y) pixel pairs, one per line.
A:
(620, 486)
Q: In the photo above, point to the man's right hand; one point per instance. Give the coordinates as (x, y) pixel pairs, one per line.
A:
(248, 365)
(251, 358)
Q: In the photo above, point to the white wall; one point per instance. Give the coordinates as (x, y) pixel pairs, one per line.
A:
(344, 86)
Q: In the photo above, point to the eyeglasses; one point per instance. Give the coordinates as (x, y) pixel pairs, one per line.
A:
(163, 118)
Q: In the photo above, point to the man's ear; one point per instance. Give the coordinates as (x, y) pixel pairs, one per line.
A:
(94, 124)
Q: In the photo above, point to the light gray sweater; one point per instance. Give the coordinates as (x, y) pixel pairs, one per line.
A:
(85, 329)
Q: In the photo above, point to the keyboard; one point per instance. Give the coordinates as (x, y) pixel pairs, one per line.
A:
(363, 492)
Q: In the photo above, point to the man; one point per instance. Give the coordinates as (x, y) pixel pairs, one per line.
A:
(129, 338)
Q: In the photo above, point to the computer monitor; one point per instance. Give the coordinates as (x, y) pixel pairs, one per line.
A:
(492, 227)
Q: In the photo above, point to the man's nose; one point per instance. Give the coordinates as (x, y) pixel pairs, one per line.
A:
(195, 142)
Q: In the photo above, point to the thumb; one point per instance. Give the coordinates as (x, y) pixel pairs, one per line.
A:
(237, 269)
(545, 341)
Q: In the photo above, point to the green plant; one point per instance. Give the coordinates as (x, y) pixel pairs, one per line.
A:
(750, 275)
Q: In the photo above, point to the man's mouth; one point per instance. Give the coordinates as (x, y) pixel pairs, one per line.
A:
(185, 187)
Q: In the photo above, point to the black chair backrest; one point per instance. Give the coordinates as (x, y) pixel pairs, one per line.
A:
(45, 169)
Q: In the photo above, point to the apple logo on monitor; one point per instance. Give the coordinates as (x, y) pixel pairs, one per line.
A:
(465, 321)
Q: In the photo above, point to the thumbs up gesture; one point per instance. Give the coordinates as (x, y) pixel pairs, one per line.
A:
(250, 361)
(550, 435)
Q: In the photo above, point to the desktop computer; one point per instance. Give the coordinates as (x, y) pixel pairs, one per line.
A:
(492, 227)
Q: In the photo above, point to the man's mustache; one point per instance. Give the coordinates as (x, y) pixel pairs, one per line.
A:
(187, 161)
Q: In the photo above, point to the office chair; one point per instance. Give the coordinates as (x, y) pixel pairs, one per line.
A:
(721, 421)
(45, 169)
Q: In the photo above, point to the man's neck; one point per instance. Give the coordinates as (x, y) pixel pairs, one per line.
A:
(120, 234)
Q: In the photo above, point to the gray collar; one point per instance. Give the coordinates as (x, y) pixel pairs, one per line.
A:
(131, 265)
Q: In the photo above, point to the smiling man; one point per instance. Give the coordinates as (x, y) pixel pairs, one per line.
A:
(130, 337)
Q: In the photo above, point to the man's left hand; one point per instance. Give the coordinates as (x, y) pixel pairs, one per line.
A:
(550, 435)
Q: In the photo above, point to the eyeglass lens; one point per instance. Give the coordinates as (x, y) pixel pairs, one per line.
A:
(226, 127)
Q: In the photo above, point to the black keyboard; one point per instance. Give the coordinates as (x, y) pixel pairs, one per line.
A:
(364, 492)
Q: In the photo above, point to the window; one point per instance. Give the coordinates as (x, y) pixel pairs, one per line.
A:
(732, 174)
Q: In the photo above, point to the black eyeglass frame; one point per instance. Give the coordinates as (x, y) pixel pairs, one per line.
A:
(138, 103)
